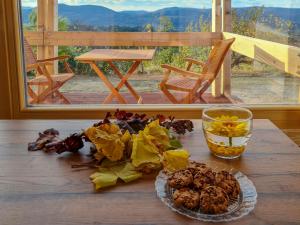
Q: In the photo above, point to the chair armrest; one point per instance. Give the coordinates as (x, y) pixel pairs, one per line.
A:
(180, 71)
(63, 57)
(193, 61)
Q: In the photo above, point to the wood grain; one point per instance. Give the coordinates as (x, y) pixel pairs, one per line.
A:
(117, 55)
(38, 188)
(124, 38)
(283, 57)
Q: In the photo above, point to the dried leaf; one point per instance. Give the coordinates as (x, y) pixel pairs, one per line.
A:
(160, 135)
(144, 150)
(108, 176)
(104, 178)
(108, 140)
(175, 159)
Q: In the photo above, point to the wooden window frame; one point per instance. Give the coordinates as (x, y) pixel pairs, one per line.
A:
(13, 106)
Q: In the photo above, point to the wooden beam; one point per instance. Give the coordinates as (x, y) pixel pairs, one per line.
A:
(52, 25)
(35, 38)
(124, 39)
(41, 24)
(226, 68)
(283, 57)
(216, 27)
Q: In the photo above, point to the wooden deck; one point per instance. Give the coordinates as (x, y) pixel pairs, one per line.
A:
(148, 98)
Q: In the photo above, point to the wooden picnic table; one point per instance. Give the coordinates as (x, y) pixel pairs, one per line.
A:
(39, 188)
(136, 56)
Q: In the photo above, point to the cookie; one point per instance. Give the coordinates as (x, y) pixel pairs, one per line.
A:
(228, 183)
(186, 197)
(180, 179)
(204, 178)
(196, 167)
(213, 200)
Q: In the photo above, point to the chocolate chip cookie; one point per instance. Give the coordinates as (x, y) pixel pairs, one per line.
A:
(196, 167)
(186, 197)
(228, 183)
(213, 200)
(180, 179)
(204, 178)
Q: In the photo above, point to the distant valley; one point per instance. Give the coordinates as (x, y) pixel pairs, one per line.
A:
(99, 16)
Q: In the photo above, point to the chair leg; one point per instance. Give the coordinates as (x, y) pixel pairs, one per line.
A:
(168, 94)
(61, 96)
(188, 99)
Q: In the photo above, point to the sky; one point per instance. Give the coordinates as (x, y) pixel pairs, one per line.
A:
(151, 5)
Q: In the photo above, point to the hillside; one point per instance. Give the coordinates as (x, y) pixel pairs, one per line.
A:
(181, 17)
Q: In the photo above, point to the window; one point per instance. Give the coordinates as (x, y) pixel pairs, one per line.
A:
(127, 42)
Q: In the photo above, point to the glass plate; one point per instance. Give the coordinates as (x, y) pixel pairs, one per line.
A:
(238, 208)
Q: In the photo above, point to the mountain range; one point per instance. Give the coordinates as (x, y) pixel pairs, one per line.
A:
(99, 16)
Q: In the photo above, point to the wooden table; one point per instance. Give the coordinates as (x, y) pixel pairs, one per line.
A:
(136, 56)
(41, 189)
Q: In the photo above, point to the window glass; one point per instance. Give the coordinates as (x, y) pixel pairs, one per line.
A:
(113, 52)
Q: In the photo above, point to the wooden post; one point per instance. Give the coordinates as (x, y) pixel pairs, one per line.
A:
(52, 25)
(226, 27)
(216, 27)
(41, 25)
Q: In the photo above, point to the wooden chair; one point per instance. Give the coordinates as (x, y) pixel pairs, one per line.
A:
(45, 83)
(195, 84)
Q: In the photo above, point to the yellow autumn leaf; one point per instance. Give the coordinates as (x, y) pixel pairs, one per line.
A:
(109, 176)
(126, 172)
(176, 159)
(108, 140)
(160, 135)
(104, 178)
(144, 150)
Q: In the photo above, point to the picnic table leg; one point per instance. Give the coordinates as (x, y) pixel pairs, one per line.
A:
(114, 92)
(124, 80)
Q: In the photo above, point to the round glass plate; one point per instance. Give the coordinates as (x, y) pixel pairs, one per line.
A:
(238, 208)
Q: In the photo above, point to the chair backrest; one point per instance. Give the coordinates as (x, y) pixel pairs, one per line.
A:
(214, 63)
(216, 57)
(30, 57)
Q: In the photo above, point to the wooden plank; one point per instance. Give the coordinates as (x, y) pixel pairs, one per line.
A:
(34, 38)
(41, 25)
(117, 55)
(131, 38)
(63, 196)
(123, 39)
(283, 57)
(6, 101)
(217, 27)
(226, 68)
(52, 25)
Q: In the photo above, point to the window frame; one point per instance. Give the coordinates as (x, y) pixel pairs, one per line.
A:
(284, 116)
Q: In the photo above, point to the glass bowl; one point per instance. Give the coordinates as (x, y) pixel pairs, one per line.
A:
(238, 208)
(227, 130)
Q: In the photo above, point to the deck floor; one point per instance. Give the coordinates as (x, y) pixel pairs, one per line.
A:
(148, 98)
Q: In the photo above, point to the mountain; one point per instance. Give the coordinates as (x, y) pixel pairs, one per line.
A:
(99, 16)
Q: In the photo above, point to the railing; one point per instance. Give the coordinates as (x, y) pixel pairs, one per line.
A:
(132, 39)
(283, 57)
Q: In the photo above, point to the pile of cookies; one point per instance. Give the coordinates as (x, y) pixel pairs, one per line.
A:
(199, 186)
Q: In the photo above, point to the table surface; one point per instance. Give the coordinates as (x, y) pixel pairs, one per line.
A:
(117, 55)
(38, 188)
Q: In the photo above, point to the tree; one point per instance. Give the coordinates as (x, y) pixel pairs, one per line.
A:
(149, 28)
(165, 24)
(63, 23)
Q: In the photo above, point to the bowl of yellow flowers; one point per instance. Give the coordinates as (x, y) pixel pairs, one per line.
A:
(227, 130)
